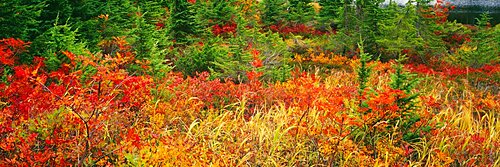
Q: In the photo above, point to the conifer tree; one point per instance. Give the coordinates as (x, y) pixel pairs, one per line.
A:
(183, 21)
(218, 11)
(62, 9)
(397, 31)
(329, 13)
(148, 40)
(119, 18)
(273, 11)
(300, 11)
(426, 29)
(54, 41)
(20, 18)
(370, 13)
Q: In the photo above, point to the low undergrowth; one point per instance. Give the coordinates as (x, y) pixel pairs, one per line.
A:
(95, 110)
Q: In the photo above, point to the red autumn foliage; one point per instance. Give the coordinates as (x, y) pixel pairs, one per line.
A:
(257, 62)
(160, 25)
(438, 12)
(298, 29)
(446, 70)
(76, 116)
(32, 93)
(9, 48)
(228, 28)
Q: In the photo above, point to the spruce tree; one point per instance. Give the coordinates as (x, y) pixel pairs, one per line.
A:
(149, 43)
(20, 18)
(62, 9)
(329, 13)
(183, 21)
(273, 11)
(218, 11)
(300, 11)
(426, 29)
(397, 31)
(54, 41)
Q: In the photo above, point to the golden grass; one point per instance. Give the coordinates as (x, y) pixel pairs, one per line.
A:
(462, 134)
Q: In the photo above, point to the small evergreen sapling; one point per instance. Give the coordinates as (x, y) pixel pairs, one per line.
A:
(184, 24)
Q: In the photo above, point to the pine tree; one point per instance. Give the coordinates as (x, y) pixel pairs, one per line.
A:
(397, 31)
(300, 11)
(370, 13)
(85, 19)
(119, 18)
(486, 42)
(150, 42)
(406, 82)
(363, 72)
(196, 59)
(62, 9)
(218, 11)
(20, 18)
(54, 41)
(183, 21)
(273, 11)
(426, 29)
(329, 13)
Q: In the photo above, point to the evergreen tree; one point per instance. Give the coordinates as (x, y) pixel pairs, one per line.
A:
(348, 36)
(486, 42)
(398, 31)
(85, 18)
(62, 9)
(370, 13)
(196, 59)
(218, 11)
(246, 47)
(273, 11)
(119, 18)
(20, 18)
(300, 11)
(329, 13)
(149, 41)
(54, 41)
(183, 21)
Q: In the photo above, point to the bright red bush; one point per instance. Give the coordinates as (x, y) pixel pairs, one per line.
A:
(228, 28)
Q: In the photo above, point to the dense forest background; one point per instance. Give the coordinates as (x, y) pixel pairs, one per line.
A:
(168, 31)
